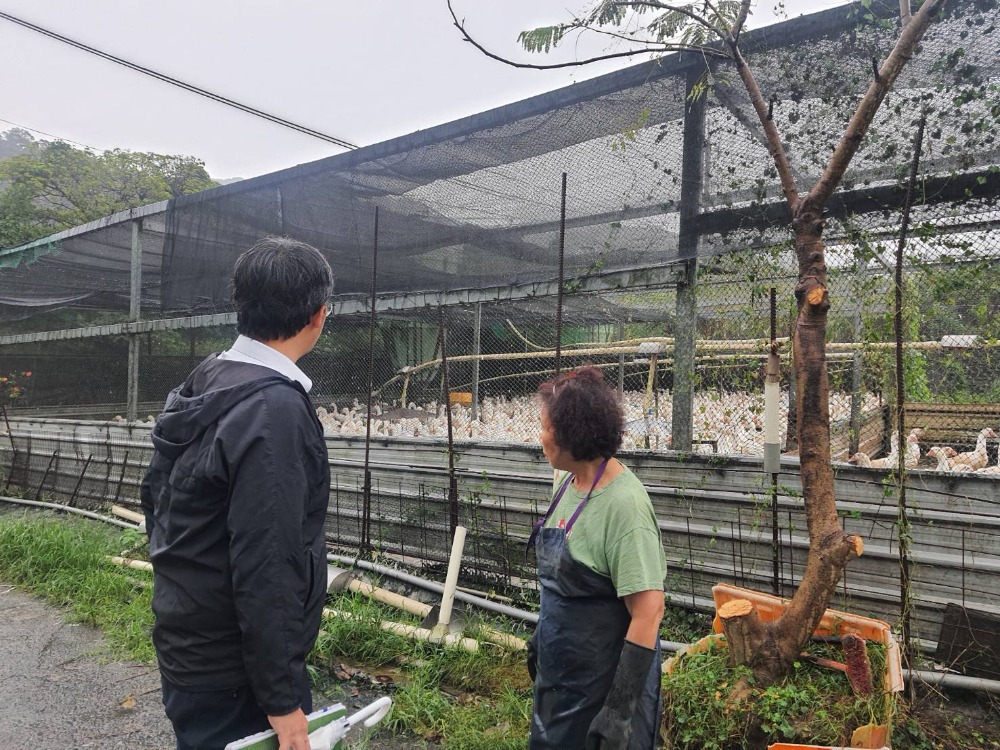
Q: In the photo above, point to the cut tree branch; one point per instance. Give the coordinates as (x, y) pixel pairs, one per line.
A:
(774, 145)
(741, 19)
(909, 37)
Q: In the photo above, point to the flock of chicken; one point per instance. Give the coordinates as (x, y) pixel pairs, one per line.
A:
(948, 459)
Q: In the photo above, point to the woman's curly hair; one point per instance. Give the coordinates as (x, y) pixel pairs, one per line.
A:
(585, 413)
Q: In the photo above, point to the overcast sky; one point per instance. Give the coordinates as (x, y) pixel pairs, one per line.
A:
(361, 70)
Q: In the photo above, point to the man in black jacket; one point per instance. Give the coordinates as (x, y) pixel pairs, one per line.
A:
(235, 498)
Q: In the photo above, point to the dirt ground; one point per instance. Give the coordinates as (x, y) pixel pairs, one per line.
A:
(59, 692)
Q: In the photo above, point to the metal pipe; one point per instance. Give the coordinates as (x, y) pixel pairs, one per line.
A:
(436, 587)
(68, 509)
(134, 314)
(502, 609)
(477, 346)
(949, 680)
(366, 504)
(944, 679)
(560, 287)
(446, 399)
(904, 533)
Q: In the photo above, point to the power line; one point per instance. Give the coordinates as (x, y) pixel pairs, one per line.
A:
(180, 84)
(50, 135)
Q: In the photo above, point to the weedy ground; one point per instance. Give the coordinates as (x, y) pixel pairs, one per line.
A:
(462, 700)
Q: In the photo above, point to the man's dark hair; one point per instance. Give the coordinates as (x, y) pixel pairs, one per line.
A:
(278, 284)
(585, 413)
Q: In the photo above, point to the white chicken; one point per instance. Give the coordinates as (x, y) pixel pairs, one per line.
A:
(974, 459)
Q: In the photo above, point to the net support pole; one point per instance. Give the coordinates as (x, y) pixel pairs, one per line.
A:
(772, 440)
(903, 520)
(446, 399)
(621, 358)
(857, 371)
(559, 292)
(477, 333)
(686, 306)
(366, 500)
(134, 313)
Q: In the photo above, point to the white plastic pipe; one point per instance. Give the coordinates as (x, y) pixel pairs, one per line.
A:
(478, 601)
(454, 640)
(771, 398)
(391, 598)
(129, 515)
(135, 564)
(420, 609)
(451, 580)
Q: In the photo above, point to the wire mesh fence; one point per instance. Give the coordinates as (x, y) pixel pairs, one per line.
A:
(660, 276)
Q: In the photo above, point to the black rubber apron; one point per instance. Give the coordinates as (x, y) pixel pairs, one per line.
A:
(581, 629)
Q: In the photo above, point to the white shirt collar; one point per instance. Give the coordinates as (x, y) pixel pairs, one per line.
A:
(246, 349)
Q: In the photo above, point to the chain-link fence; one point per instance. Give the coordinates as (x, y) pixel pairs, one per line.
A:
(669, 236)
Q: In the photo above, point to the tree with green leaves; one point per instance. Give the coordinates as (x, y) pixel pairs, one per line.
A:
(51, 186)
(14, 142)
(712, 29)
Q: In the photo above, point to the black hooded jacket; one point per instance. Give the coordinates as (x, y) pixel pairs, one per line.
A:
(235, 499)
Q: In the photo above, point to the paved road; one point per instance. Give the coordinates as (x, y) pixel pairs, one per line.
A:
(57, 691)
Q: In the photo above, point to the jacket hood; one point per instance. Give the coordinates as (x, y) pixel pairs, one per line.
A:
(188, 413)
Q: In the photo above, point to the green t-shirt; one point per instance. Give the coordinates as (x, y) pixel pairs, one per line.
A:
(616, 535)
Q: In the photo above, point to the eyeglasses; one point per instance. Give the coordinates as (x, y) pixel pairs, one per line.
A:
(327, 308)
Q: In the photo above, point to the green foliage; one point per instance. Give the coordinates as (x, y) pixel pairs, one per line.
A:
(14, 142)
(543, 38)
(53, 186)
(813, 705)
(684, 625)
(685, 24)
(696, 713)
(64, 561)
(627, 136)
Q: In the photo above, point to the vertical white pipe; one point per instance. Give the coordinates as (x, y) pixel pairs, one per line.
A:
(771, 426)
(451, 581)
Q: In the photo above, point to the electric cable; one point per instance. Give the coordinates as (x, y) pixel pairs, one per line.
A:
(180, 84)
(50, 135)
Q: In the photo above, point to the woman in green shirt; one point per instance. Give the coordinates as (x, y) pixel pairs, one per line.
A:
(595, 653)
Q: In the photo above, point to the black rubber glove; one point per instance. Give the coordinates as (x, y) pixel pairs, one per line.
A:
(531, 658)
(612, 727)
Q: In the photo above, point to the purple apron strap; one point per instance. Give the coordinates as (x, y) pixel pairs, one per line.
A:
(579, 508)
(555, 502)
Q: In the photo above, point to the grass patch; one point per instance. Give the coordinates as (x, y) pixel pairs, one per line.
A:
(64, 561)
(813, 705)
(467, 701)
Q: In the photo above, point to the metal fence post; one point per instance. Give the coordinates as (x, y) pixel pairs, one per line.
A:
(686, 306)
(477, 333)
(134, 313)
(621, 359)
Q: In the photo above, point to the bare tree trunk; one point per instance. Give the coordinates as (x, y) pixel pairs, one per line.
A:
(770, 648)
